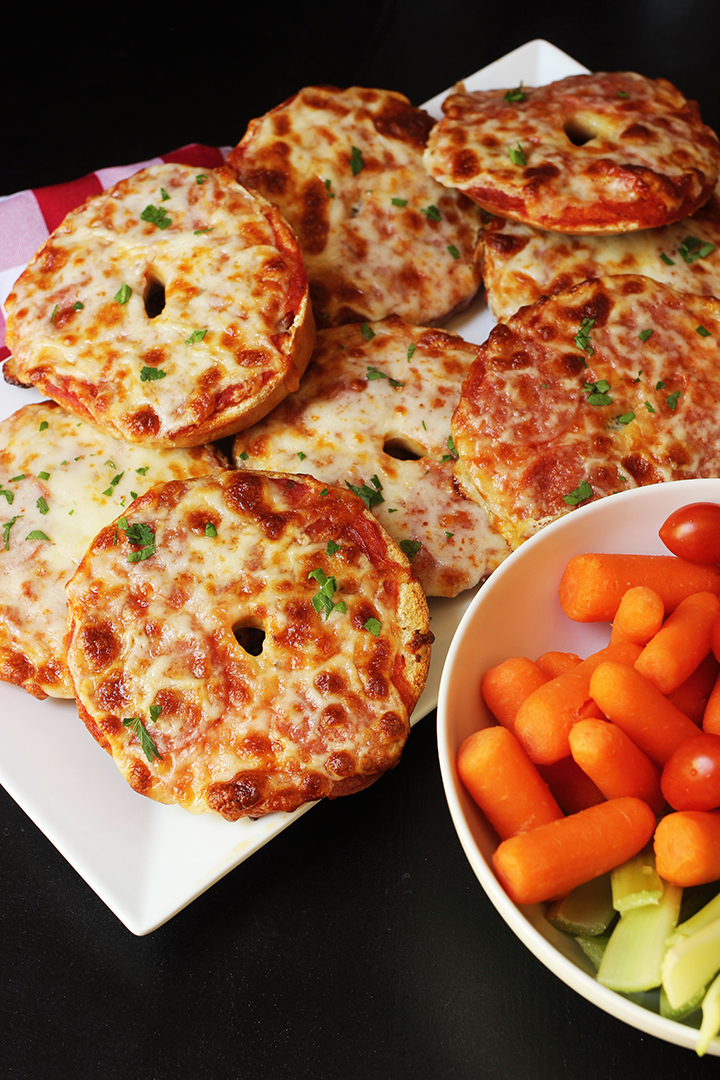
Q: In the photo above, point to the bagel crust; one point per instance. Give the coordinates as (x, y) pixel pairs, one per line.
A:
(378, 235)
(610, 385)
(374, 411)
(161, 643)
(607, 152)
(171, 309)
(62, 480)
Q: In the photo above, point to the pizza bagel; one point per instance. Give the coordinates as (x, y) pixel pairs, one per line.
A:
(61, 480)
(606, 386)
(378, 235)
(171, 309)
(607, 152)
(247, 642)
(373, 414)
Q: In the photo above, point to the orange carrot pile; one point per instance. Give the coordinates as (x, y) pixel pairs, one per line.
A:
(687, 847)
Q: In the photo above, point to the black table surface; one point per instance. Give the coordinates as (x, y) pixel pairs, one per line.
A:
(358, 943)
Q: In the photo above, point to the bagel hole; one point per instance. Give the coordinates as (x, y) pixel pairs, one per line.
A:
(154, 297)
(250, 638)
(402, 449)
(578, 132)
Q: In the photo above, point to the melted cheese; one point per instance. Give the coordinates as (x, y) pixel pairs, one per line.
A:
(378, 235)
(593, 153)
(232, 335)
(532, 425)
(520, 263)
(64, 478)
(322, 709)
(345, 427)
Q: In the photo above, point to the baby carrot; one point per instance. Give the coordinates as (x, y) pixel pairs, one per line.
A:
(592, 585)
(504, 782)
(687, 847)
(692, 696)
(573, 789)
(711, 716)
(544, 719)
(555, 663)
(614, 762)
(505, 687)
(636, 705)
(639, 615)
(553, 859)
(682, 642)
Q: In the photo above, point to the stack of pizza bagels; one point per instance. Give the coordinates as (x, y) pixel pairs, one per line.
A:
(261, 455)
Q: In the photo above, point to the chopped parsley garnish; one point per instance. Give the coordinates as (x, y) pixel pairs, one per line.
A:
(517, 94)
(142, 469)
(9, 495)
(200, 178)
(453, 251)
(672, 399)
(666, 259)
(210, 529)
(323, 601)
(626, 418)
(123, 294)
(42, 505)
(356, 161)
(141, 535)
(622, 94)
(151, 374)
(54, 313)
(449, 534)
(598, 392)
(332, 548)
(374, 374)
(21, 476)
(78, 305)
(644, 334)
(702, 331)
(113, 483)
(43, 425)
(301, 455)
(649, 407)
(147, 744)
(6, 532)
(367, 331)
(410, 547)
(331, 194)
(198, 232)
(411, 350)
(582, 492)
(660, 385)
(399, 202)
(243, 455)
(164, 195)
(432, 213)
(373, 626)
(371, 496)
(197, 335)
(517, 156)
(453, 455)
(37, 534)
(582, 338)
(156, 215)
(692, 249)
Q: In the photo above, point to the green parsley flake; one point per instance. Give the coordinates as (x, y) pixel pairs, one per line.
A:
(411, 350)
(666, 259)
(21, 476)
(644, 334)
(702, 331)
(399, 202)
(692, 249)
(151, 374)
(369, 496)
(511, 96)
(301, 455)
(374, 374)
(243, 455)
(331, 194)
(123, 294)
(142, 470)
(54, 313)
(163, 194)
(453, 251)
(453, 455)
(43, 476)
(649, 407)
(660, 385)
(356, 161)
(78, 305)
(410, 547)
(373, 626)
(582, 492)
(672, 399)
(9, 495)
(598, 392)
(6, 532)
(367, 331)
(198, 232)
(322, 601)
(449, 534)
(38, 534)
(142, 536)
(156, 215)
(622, 94)
(626, 418)
(582, 338)
(332, 548)
(210, 529)
(42, 505)
(147, 744)
(517, 156)
(200, 178)
(195, 337)
(431, 213)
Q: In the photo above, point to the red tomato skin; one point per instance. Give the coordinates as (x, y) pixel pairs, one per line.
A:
(693, 532)
(691, 777)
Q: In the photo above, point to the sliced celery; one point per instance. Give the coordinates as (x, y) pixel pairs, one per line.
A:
(690, 963)
(698, 921)
(635, 951)
(690, 1007)
(587, 910)
(710, 1025)
(636, 882)
(593, 945)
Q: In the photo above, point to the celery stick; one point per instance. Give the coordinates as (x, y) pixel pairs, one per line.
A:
(710, 1025)
(587, 910)
(593, 945)
(636, 882)
(690, 1007)
(635, 951)
(698, 921)
(691, 963)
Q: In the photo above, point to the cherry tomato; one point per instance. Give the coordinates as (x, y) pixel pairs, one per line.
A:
(691, 777)
(693, 532)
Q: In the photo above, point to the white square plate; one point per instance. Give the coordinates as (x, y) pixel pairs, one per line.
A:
(147, 861)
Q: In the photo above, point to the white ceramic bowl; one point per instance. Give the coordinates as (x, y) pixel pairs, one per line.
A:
(517, 612)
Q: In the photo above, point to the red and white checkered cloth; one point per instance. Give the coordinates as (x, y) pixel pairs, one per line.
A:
(28, 217)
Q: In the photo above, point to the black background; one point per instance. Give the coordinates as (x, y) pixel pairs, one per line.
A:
(358, 943)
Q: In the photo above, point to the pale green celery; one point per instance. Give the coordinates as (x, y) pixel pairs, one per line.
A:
(698, 921)
(635, 951)
(690, 963)
(636, 882)
(687, 1009)
(710, 1025)
(593, 945)
(587, 910)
